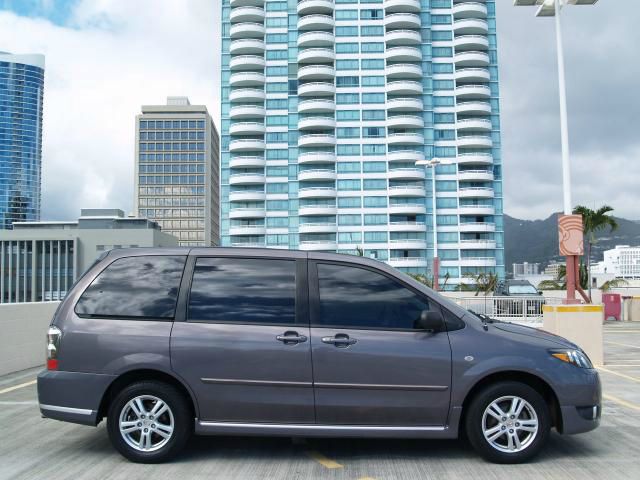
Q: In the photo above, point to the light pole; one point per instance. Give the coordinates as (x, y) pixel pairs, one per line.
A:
(553, 8)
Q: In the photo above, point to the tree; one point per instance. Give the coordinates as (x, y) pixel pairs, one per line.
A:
(560, 282)
(482, 283)
(594, 221)
(613, 283)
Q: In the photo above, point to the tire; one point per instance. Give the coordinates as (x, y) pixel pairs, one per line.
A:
(160, 443)
(533, 415)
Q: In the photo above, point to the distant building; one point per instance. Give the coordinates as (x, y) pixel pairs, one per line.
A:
(39, 261)
(623, 261)
(177, 173)
(553, 269)
(525, 269)
(21, 97)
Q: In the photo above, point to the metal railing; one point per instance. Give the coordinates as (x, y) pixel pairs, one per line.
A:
(521, 309)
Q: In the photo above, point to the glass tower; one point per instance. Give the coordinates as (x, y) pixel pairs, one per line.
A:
(326, 107)
(21, 95)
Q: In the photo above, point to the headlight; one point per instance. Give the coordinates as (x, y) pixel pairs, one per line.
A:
(574, 357)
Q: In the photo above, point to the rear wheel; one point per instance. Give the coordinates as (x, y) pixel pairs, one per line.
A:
(149, 422)
(508, 422)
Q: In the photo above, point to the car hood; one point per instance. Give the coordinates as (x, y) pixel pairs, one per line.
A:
(535, 333)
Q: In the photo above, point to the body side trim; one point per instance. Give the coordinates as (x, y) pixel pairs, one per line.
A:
(58, 408)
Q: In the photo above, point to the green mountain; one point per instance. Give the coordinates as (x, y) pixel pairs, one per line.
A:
(536, 241)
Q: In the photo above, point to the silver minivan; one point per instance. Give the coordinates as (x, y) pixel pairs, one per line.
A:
(164, 343)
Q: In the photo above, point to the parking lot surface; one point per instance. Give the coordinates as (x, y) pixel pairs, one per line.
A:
(35, 448)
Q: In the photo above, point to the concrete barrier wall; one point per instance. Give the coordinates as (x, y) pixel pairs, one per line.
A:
(23, 327)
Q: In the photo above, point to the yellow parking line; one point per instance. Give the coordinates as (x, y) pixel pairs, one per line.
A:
(322, 460)
(16, 387)
(622, 375)
(620, 401)
(366, 478)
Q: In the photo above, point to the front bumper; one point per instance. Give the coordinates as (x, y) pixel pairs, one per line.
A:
(584, 415)
(72, 396)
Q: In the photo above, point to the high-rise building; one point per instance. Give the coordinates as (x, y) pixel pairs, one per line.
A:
(21, 97)
(177, 172)
(326, 107)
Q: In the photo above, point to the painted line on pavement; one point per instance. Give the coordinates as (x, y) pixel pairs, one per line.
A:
(622, 344)
(16, 387)
(622, 365)
(622, 375)
(322, 460)
(620, 401)
(26, 402)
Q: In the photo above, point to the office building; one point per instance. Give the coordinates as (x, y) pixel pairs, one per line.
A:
(525, 269)
(39, 261)
(177, 171)
(21, 98)
(553, 269)
(623, 261)
(326, 107)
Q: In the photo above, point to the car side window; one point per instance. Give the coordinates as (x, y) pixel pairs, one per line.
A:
(140, 287)
(243, 290)
(353, 297)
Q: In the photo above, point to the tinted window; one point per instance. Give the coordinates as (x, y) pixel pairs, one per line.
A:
(247, 290)
(145, 286)
(358, 298)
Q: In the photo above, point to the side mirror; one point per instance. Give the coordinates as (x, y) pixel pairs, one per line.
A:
(431, 321)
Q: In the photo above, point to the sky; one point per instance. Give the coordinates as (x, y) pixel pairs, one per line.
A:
(106, 58)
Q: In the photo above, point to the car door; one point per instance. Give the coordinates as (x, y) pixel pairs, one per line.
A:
(244, 346)
(371, 363)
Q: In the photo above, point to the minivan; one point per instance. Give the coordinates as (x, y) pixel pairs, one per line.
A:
(164, 343)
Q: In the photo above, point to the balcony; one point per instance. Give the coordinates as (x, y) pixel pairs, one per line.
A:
(405, 121)
(475, 158)
(247, 128)
(246, 179)
(405, 156)
(469, 10)
(247, 244)
(402, 21)
(402, 37)
(403, 71)
(247, 62)
(322, 245)
(316, 55)
(470, 26)
(475, 141)
(247, 15)
(474, 108)
(407, 227)
(406, 174)
(317, 174)
(316, 39)
(247, 230)
(246, 111)
(471, 59)
(402, 6)
(316, 22)
(471, 42)
(478, 262)
(246, 46)
(316, 89)
(246, 212)
(309, 7)
(317, 140)
(246, 79)
(403, 54)
(314, 123)
(477, 227)
(407, 209)
(408, 262)
(317, 228)
(317, 105)
(475, 175)
(247, 162)
(316, 72)
(472, 75)
(408, 138)
(245, 95)
(404, 87)
(246, 3)
(476, 210)
(404, 104)
(316, 157)
(465, 92)
(477, 244)
(317, 192)
(475, 192)
(324, 210)
(474, 124)
(247, 196)
(408, 244)
(246, 145)
(247, 30)
(406, 191)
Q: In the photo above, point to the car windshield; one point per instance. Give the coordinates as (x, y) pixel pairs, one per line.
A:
(522, 290)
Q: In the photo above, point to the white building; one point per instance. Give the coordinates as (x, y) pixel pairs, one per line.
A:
(525, 269)
(623, 261)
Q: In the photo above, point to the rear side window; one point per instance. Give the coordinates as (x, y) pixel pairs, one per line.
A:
(139, 287)
(243, 290)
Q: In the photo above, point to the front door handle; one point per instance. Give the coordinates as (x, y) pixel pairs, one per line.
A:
(341, 340)
(291, 338)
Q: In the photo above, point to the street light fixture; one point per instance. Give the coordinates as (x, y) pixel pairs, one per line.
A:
(552, 8)
(433, 163)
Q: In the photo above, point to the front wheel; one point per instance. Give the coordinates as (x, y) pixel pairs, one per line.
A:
(149, 422)
(508, 422)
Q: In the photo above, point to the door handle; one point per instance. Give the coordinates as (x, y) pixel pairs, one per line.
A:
(341, 340)
(291, 338)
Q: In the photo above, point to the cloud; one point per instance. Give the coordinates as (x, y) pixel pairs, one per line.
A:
(102, 64)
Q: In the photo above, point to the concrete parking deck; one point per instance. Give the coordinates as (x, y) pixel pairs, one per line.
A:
(36, 448)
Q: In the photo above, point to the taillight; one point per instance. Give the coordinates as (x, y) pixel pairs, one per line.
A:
(54, 334)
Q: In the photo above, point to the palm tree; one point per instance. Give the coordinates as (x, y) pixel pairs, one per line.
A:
(594, 221)
(560, 282)
(613, 283)
(482, 283)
